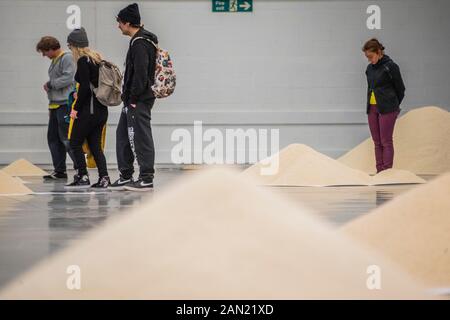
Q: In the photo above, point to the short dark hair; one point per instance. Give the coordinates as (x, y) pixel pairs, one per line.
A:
(47, 43)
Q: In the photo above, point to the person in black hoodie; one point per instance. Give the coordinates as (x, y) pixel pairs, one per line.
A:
(89, 115)
(385, 93)
(134, 137)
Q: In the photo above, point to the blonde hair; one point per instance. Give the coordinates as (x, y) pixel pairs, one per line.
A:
(86, 52)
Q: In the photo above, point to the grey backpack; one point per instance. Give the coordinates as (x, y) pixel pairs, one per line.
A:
(108, 91)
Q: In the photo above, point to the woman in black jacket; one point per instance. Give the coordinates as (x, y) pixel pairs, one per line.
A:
(89, 114)
(385, 93)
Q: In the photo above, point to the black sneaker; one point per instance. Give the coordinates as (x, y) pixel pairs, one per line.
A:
(140, 185)
(120, 184)
(103, 183)
(56, 176)
(79, 182)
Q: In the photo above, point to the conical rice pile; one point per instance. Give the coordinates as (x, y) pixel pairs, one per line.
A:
(300, 165)
(23, 168)
(413, 230)
(12, 186)
(421, 142)
(214, 235)
(395, 176)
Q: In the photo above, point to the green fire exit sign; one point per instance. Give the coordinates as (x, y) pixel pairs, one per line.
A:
(232, 5)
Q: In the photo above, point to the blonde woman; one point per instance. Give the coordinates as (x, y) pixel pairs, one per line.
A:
(89, 114)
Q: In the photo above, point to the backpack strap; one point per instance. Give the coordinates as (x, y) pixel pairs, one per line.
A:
(148, 40)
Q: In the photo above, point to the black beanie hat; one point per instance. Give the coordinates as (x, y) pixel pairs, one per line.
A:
(130, 14)
(78, 38)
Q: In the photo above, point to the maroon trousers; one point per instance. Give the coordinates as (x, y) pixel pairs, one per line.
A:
(382, 130)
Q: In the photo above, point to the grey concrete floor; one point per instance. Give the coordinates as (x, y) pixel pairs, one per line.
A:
(34, 227)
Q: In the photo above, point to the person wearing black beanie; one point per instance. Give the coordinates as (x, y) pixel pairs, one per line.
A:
(134, 133)
(130, 14)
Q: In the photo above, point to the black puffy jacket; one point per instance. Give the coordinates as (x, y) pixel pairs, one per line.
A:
(385, 80)
(140, 68)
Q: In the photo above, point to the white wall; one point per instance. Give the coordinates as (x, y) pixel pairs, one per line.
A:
(292, 65)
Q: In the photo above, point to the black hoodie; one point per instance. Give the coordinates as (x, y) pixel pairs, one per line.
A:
(385, 80)
(140, 68)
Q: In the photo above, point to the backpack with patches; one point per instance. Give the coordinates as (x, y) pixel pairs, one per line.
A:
(165, 77)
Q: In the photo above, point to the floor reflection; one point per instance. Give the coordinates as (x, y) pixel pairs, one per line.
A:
(35, 227)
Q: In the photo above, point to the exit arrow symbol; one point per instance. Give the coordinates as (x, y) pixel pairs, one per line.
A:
(245, 5)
